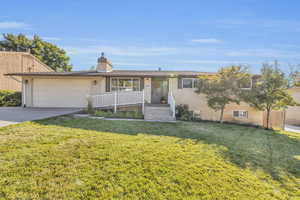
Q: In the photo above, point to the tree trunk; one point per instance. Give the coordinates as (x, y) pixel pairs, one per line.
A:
(284, 119)
(221, 116)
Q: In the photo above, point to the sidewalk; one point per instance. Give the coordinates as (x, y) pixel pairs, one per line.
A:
(292, 128)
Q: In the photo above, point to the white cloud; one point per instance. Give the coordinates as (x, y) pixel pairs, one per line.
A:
(51, 38)
(122, 51)
(210, 62)
(262, 53)
(135, 64)
(45, 38)
(92, 40)
(263, 24)
(207, 40)
(216, 62)
(12, 25)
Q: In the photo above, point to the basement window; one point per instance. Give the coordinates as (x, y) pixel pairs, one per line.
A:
(240, 114)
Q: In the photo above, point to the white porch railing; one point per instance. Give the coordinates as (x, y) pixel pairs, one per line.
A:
(172, 103)
(114, 99)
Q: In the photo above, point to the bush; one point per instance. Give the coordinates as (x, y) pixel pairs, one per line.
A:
(120, 114)
(90, 108)
(183, 113)
(10, 98)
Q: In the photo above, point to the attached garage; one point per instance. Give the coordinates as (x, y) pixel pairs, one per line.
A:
(60, 92)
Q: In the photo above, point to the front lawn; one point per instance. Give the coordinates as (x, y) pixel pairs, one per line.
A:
(65, 158)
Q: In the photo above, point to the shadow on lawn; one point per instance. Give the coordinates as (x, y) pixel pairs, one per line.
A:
(256, 148)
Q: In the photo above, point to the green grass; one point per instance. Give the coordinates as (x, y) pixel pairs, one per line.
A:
(67, 158)
(119, 114)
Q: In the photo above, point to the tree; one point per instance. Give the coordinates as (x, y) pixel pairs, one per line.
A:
(294, 76)
(46, 52)
(224, 87)
(269, 92)
(93, 67)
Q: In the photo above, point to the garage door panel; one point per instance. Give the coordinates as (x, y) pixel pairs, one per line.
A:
(60, 92)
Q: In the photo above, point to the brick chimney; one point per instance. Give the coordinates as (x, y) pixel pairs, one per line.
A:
(103, 64)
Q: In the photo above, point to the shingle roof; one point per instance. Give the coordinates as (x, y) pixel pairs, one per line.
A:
(146, 73)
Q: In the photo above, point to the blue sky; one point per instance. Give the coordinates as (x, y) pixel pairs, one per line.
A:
(174, 35)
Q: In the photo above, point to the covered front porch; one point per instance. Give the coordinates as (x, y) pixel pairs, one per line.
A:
(156, 89)
(145, 91)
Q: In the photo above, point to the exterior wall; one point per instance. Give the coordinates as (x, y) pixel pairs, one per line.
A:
(97, 85)
(293, 113)
(197, 103)
(147, 89)
(11, 62)
(60, 91)
(255, 117)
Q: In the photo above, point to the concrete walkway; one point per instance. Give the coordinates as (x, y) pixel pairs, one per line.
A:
(14, 115)
(292, 128)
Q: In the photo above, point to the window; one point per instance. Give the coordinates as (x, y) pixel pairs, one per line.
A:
(189, 82)
(240, 114)
(125, 84)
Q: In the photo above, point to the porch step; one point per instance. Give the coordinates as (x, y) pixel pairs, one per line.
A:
(158, 113)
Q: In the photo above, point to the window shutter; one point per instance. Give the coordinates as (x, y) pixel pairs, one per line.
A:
(107, 85)
(179, 83)
(142, 82)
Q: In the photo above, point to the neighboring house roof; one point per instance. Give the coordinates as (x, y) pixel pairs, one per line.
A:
(18, 62)
(124, 73)
(6, 53)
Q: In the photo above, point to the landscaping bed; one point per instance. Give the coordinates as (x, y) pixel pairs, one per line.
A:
(10, 98)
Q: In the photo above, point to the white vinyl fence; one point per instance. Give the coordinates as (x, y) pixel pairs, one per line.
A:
(114, 99)
(172, 103)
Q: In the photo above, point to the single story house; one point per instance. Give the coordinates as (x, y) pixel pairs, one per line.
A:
(108, 87)
(13, 62)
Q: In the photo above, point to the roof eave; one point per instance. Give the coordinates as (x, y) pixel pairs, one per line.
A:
(99, 75)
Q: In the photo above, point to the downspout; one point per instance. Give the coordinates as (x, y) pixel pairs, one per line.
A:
(24, 92)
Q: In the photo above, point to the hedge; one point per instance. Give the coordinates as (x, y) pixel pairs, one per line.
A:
(10, 98)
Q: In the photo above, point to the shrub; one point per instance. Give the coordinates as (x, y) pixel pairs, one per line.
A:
(10, 98)
(90, 108)
(120, 114)
(183, 113)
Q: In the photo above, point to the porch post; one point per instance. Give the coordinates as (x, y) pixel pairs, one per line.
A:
(24, 92)
(115, 104)
(143, 101)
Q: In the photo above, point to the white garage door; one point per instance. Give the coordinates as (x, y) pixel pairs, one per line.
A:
(60, 92)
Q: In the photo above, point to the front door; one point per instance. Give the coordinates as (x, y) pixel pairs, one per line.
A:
(159, 90)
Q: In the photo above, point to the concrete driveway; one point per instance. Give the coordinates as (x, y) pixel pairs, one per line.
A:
(292, 128)
(14, 115)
